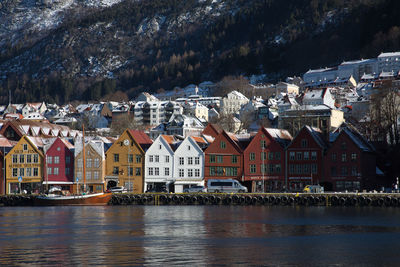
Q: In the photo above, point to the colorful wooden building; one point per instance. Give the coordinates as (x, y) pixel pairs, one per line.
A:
(125, 161)
(59, 165)
(305, 155)
(94, 165)
(264, 160)
(24, 167)
(224, 158)
(350, 162)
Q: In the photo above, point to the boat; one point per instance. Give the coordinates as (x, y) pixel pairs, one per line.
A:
(57, 197)
(96, 199)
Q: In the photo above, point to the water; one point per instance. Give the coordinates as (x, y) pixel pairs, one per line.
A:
(199, 235)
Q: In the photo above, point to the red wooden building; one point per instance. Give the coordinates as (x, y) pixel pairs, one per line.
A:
(224, 158)
(350, 162)
(264, 160)
(59, 165)
(305, 158)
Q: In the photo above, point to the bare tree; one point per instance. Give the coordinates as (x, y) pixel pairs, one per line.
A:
(123, 122)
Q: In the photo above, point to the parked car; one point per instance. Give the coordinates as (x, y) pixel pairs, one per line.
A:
(117, 189)
(225, 186)
(195, 189)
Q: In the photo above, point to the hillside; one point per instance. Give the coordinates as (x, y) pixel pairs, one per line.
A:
(82, 49)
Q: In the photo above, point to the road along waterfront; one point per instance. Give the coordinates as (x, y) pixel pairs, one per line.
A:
(199, 235)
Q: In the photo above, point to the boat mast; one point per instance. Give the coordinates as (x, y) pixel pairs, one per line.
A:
(83, 159)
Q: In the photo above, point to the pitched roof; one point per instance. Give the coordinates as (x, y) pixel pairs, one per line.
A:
(140, 137)
(281, 136)
(317, 135)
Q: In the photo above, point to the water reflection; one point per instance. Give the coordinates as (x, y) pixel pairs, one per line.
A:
(198, 235)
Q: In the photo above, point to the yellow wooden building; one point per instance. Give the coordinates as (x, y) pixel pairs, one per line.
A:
(125, 161)
(24, 167)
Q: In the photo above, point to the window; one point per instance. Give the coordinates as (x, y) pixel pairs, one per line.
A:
(197, 172)
(49, 160)
(188, 147)
(96, 163)
(306, 155)
(313, 155)
(212, 171)
(138, 171)
(29, 158)
(253, 168)
(190, 161)
(130, 158)
(278, 168)
(304, 143)
(270, 155)
(278, 155)
(291, 168)
(234, 159)
(35, 158)
(263, 155)
(343, 146)
(29, 172)
(181, 173)
(212, 158)
(333, 156)
(88, 175)
(157, 158)
(89, 163)
(138, 158)
(49, 170)
(220, 171)
(159, 146)
(14, 172)
(306, 169)
(181, 160)
(314, 168)
(252, 156)
(15, 159)
(291, 155)
(56, 171)
(222, 144)
(220, 159)
(115, 170)
(67, 159)
(96, 175)
(151, 171)
(354, 171)
(35, 171)
(58, 149)
(151, 158)
(80, 163)
(298, 155)
(21, 158)
(67, 171)
(166, 171)
(22, 172)
(344, 157)
(57, 160)
(190, 172)
(167, 159)
(197, 160)
(353, 156)
(156, 171)
(116, 157)
(25, 147)
(298, 168)
(130, 171)
(344, 170)
(262, 144)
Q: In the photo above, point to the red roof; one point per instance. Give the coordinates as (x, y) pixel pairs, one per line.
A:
(169, 138)
(140, 137)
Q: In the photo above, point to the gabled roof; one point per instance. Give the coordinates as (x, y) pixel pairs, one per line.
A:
(354, 135)
(281, 136)
(317, 135)
(141, 138)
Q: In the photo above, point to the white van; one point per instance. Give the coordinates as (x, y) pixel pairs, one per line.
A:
(225, 186)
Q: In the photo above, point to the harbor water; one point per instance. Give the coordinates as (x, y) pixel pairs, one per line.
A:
(199, 235)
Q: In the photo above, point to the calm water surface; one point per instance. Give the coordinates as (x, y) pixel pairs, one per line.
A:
(199, 235)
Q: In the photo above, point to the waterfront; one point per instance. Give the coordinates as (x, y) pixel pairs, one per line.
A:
(199, 235)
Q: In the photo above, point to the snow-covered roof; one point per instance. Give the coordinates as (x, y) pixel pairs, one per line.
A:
(389, 54)
(320, 70)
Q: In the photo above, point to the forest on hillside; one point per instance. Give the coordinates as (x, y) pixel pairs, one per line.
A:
(278, 38)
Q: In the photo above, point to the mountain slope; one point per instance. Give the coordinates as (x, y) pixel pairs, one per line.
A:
(90, 51)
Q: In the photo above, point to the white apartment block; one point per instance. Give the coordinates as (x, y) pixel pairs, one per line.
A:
(389, 62)
(232, 102)
(188, 164)
(156, 112)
